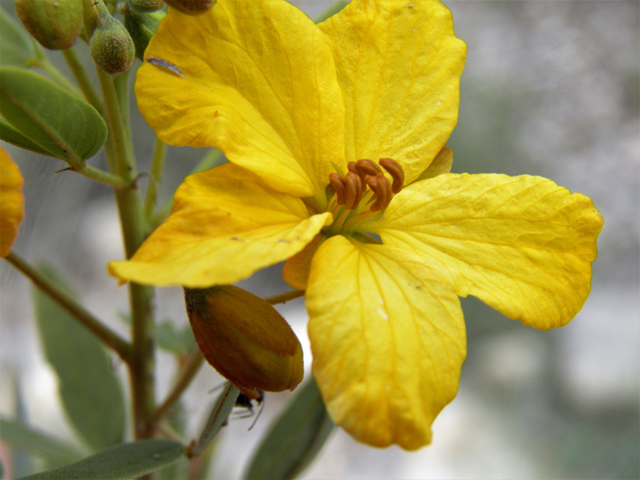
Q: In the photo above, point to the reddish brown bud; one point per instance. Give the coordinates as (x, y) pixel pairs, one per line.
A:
(245, 339)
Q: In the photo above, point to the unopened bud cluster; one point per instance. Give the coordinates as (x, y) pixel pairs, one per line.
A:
(191, 7)
(111, 46)
(141, 27)
(55, 24)
(145, 6)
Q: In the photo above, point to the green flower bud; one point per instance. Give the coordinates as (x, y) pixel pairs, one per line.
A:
(111, 46)
(142, 26)
(191, 7)
(245, 339)
(55, 24)
(145, 6)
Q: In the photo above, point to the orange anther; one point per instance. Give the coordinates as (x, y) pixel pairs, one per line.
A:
(369, 167)
(382, 188)
(338, 184)
(396, 172)
(354, 189)
(353, 167)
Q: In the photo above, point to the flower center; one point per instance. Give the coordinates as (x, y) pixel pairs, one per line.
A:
(362, 195)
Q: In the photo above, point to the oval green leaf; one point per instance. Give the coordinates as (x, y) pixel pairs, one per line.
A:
(15, 47)
(91, 393)
(129, 460)
(13, 136)
(60, 123)
(295, 437)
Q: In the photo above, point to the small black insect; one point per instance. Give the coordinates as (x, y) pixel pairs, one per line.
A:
(243, 401)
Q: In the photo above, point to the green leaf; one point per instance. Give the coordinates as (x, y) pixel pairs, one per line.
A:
(295, 438)
(15, 46)
(59, 122)
(219, 414)
(37, 443)
(129, 460)
(21, 460)
(172, 340)
(89, 389)
(13, 136)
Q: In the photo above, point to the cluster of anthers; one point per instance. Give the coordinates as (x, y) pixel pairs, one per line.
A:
(363, 193)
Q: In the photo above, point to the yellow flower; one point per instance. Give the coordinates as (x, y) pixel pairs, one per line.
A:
(294, 107)
(11, 202)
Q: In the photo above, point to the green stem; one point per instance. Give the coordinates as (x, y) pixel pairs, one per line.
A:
(185, 376)
(121, 83)
(284, 297)
(160, 217)
(43, 62)
(157, 166)
(141, 362)
(82, 79)
(95, 326)
(213, 158)
(101, 176)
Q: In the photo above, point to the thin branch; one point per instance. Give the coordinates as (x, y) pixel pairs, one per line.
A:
(82, 79)
(284, 297)
(185, 376)
(95, 326)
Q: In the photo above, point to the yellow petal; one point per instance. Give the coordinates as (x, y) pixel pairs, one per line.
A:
(11, 202)
(399, 66)
(257, 80)
(388, 341)
(440, 165)
(523, 244)
(296, 270)
(226, 224)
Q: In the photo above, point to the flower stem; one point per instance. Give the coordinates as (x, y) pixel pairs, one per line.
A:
(185, 376)
(114, 181)
(95, 326)
(213, 158)
(141, 364)
(155, 173)
(55, 74)
(284, 297)
(82, 79)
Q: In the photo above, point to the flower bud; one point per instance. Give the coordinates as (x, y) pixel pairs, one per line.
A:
(142, 26)
(111, 46)
(145, 6)
(191, 7)
(55, 24)
(245, 339)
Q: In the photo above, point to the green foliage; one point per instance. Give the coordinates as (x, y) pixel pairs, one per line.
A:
(129, 460)
(173, 340)
(61, 124)
(53, 450)
(15, 47)
(89, 389)
(295, 438)
(11, 135)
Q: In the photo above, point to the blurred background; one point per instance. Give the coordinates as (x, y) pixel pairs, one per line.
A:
(550, 88)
